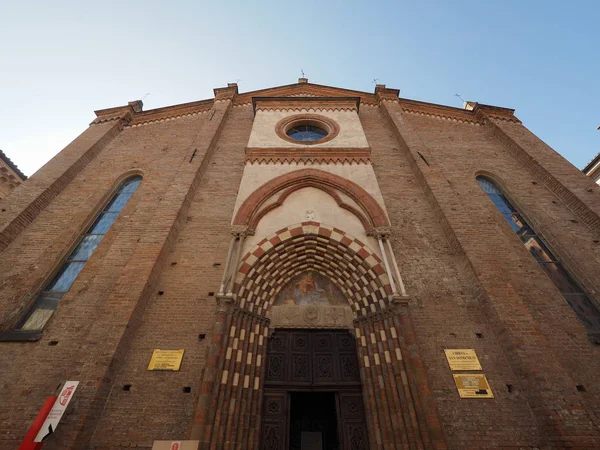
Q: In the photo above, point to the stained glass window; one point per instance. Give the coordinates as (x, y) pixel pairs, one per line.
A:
(306, 133)
(50, 297)
(572, 292)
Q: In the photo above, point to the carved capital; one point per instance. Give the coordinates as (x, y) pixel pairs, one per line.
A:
(224, 304)
(400, 301)
(241, 231)
(381, 232)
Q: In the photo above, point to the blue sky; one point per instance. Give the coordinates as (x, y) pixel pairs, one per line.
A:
(60, 61)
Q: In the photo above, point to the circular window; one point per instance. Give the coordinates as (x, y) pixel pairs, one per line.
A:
(306, 133)
(307, 129)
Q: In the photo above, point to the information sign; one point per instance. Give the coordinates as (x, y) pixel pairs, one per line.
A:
(462, 359)
(473, 385)
(166, 359)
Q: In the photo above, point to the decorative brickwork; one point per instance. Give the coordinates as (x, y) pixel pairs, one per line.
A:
(250, 211)
(350, 264)
(395, 412)
(170, 275)
(308, 156)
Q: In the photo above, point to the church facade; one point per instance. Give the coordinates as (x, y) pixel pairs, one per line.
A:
(317, 267)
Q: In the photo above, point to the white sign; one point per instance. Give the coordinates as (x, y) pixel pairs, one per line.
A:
(57, 410)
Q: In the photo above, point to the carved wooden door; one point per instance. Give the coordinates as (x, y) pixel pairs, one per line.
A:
(312, 360)
(353, 424)
(275, 421)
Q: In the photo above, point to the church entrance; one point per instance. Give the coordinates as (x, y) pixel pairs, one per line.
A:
(310, 427)
(312, 392)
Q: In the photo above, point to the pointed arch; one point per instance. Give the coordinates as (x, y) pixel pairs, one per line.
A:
(251, 211)
(351, 265)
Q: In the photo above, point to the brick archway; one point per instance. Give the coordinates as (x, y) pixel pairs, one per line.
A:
(352, 266)
(370, 213)
(231, 409)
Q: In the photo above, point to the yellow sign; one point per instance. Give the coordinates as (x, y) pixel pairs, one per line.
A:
(166, 359)
(472, 385)
(462, 359)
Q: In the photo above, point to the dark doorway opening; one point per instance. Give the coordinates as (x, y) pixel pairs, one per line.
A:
(312, 385)
(313, 421)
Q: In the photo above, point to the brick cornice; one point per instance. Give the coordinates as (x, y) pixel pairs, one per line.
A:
(308, 90)
(383, 93)
(307, 154)
(306, 97)
(124, 114)
(306, 103)
(226, 93)
(439, 111)
(494, 112)
(172, 112)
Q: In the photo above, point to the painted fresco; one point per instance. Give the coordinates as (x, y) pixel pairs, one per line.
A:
(310, 288)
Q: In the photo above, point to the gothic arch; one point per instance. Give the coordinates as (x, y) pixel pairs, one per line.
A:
(352, 266)
(230, 409)
(252, 210)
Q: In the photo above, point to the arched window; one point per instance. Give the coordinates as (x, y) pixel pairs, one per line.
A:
(568, 287)
(53, 292)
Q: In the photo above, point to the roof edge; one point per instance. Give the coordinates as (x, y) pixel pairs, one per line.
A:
(591, 164)
(12, 165)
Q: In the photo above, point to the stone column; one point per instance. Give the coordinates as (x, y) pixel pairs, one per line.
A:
(382, 234)
(239, 233)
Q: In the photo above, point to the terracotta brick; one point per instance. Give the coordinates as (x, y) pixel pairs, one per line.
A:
(472, 283)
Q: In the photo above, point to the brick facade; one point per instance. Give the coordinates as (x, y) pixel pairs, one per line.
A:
(159, 279)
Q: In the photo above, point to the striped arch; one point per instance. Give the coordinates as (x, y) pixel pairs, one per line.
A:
(350, 264)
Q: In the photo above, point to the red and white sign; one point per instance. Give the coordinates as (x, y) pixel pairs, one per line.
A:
(57, 411)
(176, 445)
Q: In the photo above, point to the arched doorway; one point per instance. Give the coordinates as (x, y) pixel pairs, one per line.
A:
(312, 397)
(312, 393)
(231, 409)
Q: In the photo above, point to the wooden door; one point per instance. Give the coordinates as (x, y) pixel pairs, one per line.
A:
(312, 360)
(353, 423)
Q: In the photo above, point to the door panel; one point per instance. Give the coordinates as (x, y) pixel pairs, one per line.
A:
(354, 427)
(275, 421)
(312, 360)
(317, 358)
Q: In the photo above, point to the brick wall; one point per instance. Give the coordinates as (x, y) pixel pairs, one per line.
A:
(532, 329)
(149, 283)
